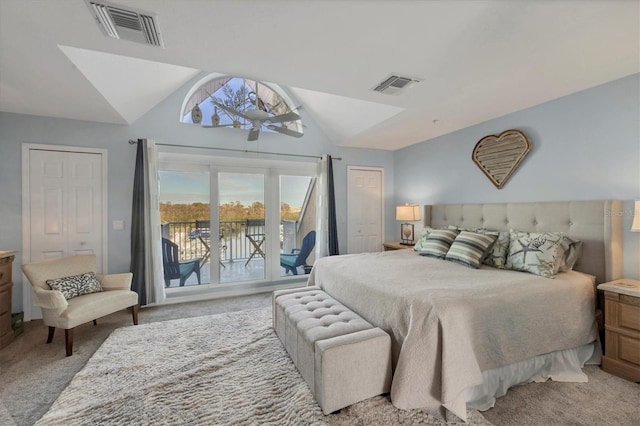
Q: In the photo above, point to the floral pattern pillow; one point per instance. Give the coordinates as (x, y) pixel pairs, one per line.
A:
(537, 253)
(423, 238)
(497, 256)
(76, 285)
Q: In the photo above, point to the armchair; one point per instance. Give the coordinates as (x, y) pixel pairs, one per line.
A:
(58, 312)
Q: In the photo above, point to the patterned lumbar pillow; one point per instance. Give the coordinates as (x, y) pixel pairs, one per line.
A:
(469, 248)
(438, 242)
(423, 238)
(497, 256)
(537, 253)
(76, 285)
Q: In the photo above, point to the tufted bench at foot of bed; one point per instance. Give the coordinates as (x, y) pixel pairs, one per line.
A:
(342, 357)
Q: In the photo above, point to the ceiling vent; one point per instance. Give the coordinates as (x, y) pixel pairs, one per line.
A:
(126, 23)
(394, 84)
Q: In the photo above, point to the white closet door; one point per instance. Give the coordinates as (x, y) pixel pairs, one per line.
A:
(65, 208)
(365, 206)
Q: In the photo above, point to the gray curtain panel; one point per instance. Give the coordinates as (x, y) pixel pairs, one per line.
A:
(138, 247)
(331, 205)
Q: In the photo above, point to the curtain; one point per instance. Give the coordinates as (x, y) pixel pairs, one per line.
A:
(326, 225)
(146, 261)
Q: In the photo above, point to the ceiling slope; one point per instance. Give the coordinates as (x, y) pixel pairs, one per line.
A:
(476, 60)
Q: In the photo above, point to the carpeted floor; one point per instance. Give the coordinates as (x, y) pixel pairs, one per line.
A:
(218, 369)
(33, 375)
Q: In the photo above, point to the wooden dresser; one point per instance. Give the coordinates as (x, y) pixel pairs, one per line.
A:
(6, 332)
(622, 328)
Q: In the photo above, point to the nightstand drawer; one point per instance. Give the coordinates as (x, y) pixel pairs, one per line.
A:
(5, 273)
(629, 316)
(5, 300)
(629, 349)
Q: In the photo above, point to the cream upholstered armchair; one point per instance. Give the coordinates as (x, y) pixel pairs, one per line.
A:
(58, 311)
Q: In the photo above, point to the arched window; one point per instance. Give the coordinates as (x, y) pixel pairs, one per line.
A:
(206, 101)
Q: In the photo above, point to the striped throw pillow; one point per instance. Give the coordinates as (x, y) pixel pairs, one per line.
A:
(438, 242)
(470, 248)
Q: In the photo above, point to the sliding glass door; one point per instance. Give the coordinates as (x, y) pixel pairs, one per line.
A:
(242, 219)
(184, 218)
(297, 223)
(241, 207)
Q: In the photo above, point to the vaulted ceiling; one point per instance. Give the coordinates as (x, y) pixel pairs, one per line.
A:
(476, 60)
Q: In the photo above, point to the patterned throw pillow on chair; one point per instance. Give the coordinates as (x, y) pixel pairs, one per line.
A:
(76, 285)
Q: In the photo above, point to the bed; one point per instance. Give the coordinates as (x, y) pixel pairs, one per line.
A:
(462, 336)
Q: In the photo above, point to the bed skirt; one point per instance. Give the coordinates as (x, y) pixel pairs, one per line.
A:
(562, 366)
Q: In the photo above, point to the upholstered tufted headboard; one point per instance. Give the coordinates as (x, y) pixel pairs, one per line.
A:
(597, 223)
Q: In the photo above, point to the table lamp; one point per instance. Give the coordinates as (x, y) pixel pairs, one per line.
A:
(407, 213)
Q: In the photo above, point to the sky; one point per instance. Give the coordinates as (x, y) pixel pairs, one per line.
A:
(191, 187)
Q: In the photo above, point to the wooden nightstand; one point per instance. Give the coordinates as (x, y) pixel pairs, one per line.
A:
(622, 328)
(395, 245)
(6, 332)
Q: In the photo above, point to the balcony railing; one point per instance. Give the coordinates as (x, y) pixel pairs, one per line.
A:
(194, 238)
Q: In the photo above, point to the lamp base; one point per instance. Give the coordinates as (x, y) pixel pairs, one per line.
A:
(408, 243)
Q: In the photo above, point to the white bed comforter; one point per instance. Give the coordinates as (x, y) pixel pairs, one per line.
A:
(449, 323)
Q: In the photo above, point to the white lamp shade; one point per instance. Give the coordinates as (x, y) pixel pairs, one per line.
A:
(635, 226)
(408, 213)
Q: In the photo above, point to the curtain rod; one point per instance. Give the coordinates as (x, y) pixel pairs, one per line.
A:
(248, 151)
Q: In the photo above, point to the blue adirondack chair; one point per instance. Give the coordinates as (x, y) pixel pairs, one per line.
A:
(173, 268)
(298, 256)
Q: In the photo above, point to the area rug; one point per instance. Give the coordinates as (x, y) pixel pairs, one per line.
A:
(226, 369)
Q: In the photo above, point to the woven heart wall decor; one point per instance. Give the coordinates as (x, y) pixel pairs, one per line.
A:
(499, 156)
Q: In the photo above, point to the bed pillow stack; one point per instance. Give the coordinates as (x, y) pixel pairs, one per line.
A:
(461, 246)
(543, 254)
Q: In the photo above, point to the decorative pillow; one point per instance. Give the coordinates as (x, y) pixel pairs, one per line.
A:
(423, 237)
(537, 253)
(76, 285)
(497, 256)
(572, 250)
(438, 242)
(469, 248)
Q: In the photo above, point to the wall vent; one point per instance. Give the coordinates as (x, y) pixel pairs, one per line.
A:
(394, 84)
(126, 23)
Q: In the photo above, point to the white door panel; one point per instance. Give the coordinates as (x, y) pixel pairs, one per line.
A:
(365, 210)
(64, 207)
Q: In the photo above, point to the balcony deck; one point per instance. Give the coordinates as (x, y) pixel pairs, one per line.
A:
(234, 271)
(237, 246)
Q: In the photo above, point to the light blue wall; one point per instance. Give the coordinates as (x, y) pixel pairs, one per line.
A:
(585, 146)
(160, 124)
